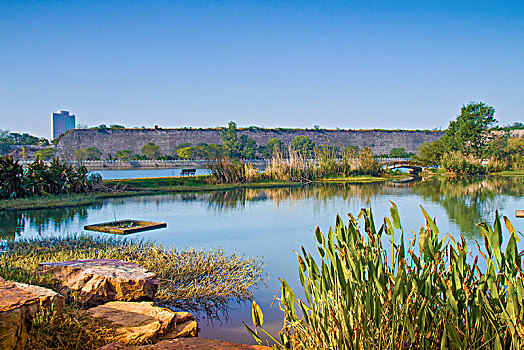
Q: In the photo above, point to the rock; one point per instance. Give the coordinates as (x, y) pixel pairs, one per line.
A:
(188, 344)
(140, 322)
(93, 282)
(19, 303)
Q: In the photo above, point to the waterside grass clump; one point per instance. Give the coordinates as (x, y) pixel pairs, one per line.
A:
(203, 282)
(434, 296)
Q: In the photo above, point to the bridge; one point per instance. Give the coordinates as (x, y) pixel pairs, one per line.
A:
(390, 164)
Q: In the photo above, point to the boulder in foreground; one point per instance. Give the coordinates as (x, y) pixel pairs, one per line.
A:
(19, 303)
(95, 281)
(140, 322)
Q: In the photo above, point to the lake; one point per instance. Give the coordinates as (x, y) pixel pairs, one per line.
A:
(271, 223)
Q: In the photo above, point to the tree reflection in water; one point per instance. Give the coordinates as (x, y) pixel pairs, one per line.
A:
(13, 223)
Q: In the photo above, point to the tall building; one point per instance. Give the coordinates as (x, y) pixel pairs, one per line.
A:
(62, 121)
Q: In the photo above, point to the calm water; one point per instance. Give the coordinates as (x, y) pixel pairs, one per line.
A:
(272, 223)
(140, 173)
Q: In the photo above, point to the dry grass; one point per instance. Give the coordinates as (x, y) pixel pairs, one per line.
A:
(192, 280)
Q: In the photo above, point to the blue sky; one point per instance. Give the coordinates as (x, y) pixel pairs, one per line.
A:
(350, 64)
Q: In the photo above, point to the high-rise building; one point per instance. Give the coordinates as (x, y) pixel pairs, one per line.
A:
(62, 121)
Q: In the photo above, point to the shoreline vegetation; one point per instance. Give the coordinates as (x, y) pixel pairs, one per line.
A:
(429, 292)
(204, 282)
(174, 185)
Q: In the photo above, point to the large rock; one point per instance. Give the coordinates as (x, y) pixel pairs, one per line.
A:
(187, 344)
(95, 281)
(140, 322)
(19, 303)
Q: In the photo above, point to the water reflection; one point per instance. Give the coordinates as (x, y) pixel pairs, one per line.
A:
(14, 223)
(466, 201)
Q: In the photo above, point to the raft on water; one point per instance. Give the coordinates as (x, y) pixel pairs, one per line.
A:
(125, 227)
(519, 213)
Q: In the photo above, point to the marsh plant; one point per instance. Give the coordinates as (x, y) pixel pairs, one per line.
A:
(292, 166)
(428, 293)
(225, 170)
(192, 280)
(41, 179)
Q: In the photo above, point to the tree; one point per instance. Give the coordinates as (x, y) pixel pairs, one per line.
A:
(247, 147)
(229, 139)
(303, 145)
(430, 153)
(469, 132)
(398, 152)
(273, 145)
(45, 154)
(89, 153)
(124, 154)
(184, 153)
(151, 151)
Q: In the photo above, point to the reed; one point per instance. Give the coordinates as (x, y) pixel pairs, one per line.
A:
(225, 170)
(293, 166)
(434, 296)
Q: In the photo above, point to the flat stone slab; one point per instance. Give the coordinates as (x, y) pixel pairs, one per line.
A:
(187, 344)
(92, 282)
(19, 303)
(141, 322)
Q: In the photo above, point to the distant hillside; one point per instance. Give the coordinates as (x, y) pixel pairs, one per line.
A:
(109, 141)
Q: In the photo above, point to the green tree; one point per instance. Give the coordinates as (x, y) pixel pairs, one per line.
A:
(184, 153)
(89, 153)
(151, 151)
(398, 152)
(230, 139)
(430, 153)
(124, 154)
(273, 145)
(303, 145)
(469, 132)
(45, 154)
(247, 147)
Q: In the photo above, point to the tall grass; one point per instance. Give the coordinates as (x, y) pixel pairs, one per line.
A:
(434, 296)
(225, 170)
(328, 161)
(192, 280)
(291, 167)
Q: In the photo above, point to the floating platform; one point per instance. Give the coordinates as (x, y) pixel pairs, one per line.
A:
(125, 227)
(519, 213)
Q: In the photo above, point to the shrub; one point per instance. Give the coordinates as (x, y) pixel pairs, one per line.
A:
(460, 164)
(429, 297)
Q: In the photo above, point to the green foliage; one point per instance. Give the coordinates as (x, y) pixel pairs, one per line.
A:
(357, 296)
(45, 154)
(11, 178)
(229, 139)
(399, 152)
(42, 179)
(234, 147)
(303, 145)
(460, 164)
(273, 145)
(89, 153)
(151, 151)
(116, 126)
(468, 133)
(184, 153)
(124, 154)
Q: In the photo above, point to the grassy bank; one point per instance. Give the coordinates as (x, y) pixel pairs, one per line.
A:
(148, 186)
(204, 282)
(133, 187)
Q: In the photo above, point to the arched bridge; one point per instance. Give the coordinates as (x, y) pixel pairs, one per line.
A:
(415, 167)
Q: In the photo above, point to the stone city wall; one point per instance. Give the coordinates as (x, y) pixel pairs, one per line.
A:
(109, 141)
